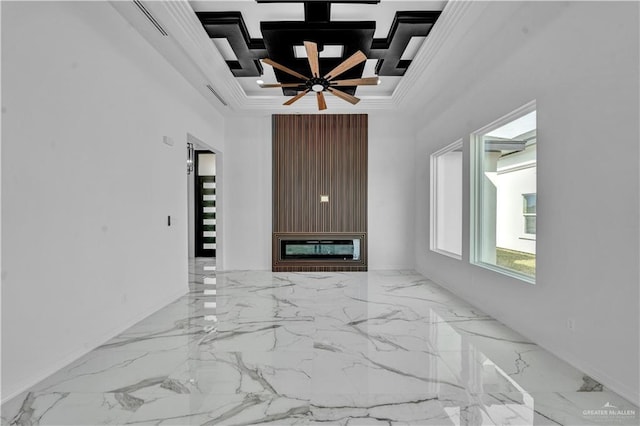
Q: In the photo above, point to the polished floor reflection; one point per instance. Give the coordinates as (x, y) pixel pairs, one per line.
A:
(245, 348)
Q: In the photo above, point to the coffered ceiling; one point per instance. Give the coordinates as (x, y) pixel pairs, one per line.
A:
(217, 46)
(389, 34)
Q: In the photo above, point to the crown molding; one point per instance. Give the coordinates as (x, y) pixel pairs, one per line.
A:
(445, 25)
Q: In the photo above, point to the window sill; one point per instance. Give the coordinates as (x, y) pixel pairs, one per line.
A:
(508, 272)
(447, 253)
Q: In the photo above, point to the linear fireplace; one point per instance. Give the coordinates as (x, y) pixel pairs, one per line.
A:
(319, 252)
(320, 249)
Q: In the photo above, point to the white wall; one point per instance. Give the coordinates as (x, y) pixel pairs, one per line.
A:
(247, 203)
(510, 223)
(87, 183)
(579, 60)
(391, 192)
(247, 206)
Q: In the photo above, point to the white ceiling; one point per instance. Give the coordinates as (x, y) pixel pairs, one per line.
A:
(189, 49)
(383, 13)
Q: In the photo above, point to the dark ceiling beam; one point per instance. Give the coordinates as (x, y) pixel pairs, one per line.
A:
(389, 50)
(280, 37)
(317, 11)
(231, 26)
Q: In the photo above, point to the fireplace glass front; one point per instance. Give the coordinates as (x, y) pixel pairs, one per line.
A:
(320, 249)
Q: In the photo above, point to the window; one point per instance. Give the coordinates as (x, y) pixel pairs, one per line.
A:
(529, 212)
(446, 200)
(503, 194)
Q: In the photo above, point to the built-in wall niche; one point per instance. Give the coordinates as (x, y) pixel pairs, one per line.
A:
(320, 192)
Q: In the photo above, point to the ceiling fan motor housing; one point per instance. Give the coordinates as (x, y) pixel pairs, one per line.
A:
(317, 84)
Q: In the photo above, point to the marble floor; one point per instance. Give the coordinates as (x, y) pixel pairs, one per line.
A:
(388, 348)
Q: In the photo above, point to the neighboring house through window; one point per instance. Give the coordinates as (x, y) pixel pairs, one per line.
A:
(503, 194)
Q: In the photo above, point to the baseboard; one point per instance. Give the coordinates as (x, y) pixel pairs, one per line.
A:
(609, 382)
(630, 394)
(404, 268)
(79, 352)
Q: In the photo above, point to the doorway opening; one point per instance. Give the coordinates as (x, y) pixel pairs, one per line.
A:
(204, 189)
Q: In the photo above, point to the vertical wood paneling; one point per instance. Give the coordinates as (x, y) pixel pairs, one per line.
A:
(317, 155)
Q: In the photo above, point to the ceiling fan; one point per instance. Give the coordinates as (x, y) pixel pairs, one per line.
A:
(327, 83)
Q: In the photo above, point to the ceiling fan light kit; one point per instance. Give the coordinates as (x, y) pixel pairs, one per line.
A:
(318, 84)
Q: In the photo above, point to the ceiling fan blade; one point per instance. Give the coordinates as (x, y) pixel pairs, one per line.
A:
(296, 97)
(271, 85)
(347, 97)
(285, 69)
(348, 63)
(312, 56)
(322, 104)
(367, 81)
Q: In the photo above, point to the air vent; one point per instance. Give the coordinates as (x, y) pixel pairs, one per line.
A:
(216, 95)
(150, 17)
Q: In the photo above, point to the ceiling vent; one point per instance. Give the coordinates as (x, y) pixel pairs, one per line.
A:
(216, 95)
(150, 17)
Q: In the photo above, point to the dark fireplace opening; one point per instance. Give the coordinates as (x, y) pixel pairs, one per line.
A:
(320, 249)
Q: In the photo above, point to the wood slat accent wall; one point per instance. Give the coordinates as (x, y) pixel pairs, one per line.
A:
(314, 155)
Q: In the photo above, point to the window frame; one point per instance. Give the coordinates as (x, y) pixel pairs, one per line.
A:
(476, 166)
(433, 202)
(528, 214)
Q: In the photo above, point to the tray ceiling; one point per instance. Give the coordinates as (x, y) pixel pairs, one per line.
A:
(388, 32)
(399, 38)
